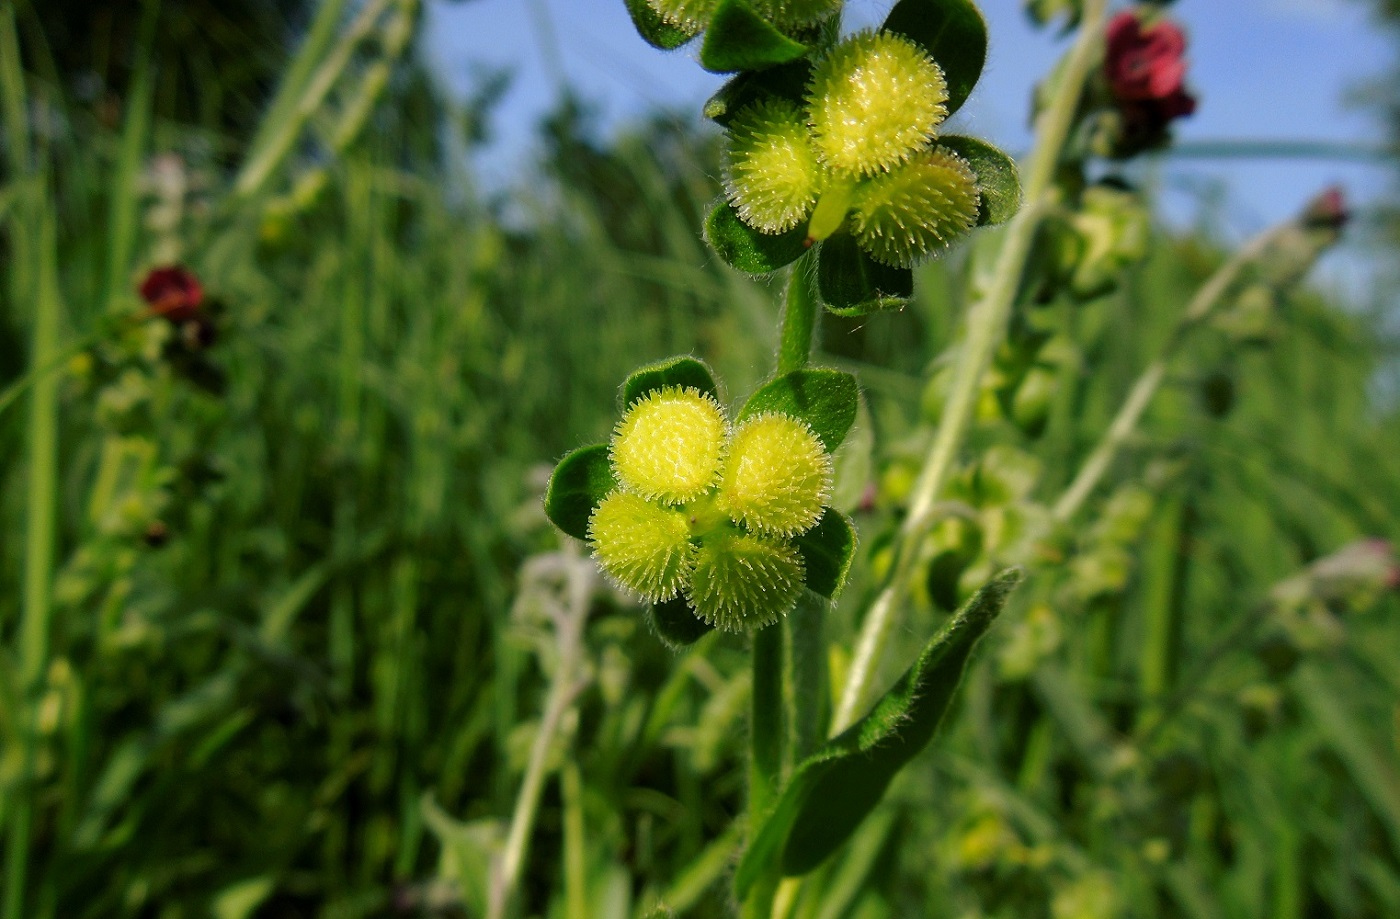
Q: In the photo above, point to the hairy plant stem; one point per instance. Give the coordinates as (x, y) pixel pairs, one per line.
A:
(773, 702)
(1207, 298)
(986, 328)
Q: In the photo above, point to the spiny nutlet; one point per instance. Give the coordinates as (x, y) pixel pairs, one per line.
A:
(669, 444)
(777, 476)
(643, 546)
(742, 582)
(773, 176)
(917, 208)
(691, 15)
(874, 100)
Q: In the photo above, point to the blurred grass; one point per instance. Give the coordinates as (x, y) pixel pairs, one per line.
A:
(246, 719)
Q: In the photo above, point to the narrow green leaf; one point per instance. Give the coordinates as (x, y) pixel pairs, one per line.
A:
(953, 32)
(746, 249)
(653, 29)
(786, 81)
(827, 550)
(579, 482)
(676, 624)
(835, 788)
(738, 38)
(851, 283)
(682, 371)
(998, 180)
(825, 399)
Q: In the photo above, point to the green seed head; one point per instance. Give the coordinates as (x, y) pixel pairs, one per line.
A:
(777, 476)
(917, 208)
(742, 582)
(873, 101)
(789, 14)
(669, 444)
(691, 15)
(773, 176)
(643, 546)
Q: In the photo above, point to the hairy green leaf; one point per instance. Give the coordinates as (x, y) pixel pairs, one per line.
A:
(748, 250)
(653, 29)
(835, 788)
(827, 550)
(683, 371)
(851, 283)
(738, 38)
(998, 180)
(825, 399)
(953, 32)
(579, 482)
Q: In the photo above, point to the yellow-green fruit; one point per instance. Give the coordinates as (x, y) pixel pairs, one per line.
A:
(669, 444)
(793, 13)
(777, 476)
(644, 546)
(873, 101)
(917, 208)
(691, 15)
(773, 176)
(743, 582)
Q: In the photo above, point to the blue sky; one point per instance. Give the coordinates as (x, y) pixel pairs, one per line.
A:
(1263, 69)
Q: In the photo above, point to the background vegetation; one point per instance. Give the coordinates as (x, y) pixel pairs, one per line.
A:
(276, 642)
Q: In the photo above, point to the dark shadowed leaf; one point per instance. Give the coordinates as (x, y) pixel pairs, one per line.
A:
(953, 32)
(827, 550)
(787, 81)
(683, 371)
(740, 39)
(998, 180)
(825, 399)
(851, 283)
(746, 249)
(579, 482)
(676, 624)
(832, 790)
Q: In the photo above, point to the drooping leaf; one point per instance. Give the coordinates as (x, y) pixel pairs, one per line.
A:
(835, 788)
(579, 482)
(738, 38)
(786, 81)
(826, 399)
(748, 250)
(827, 550)
(851, 283)
(676, 624)
(655, 31)
(683, 371)
(998, 180)
(953, 32)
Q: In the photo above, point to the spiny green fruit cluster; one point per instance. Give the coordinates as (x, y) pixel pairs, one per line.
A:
(861, 149)
(694, 15)
(707, 511)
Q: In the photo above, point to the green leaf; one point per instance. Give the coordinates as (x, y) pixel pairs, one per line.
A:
(740, 39)
(746, 249)
(655, 31)
(676, 624)
(579, 482)
(682, 371)
(851, 283)
(825, 399)
(835, 788)
(998, 180)
(953, 32)
(786, 81)
(827, 550)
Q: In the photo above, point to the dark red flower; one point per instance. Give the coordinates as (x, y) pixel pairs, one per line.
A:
(1328, 210)
(1145, 64)
(173, 292)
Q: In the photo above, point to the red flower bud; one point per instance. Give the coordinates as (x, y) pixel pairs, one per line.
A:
(1145, 72)
(173, 292)
(1328, 210)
